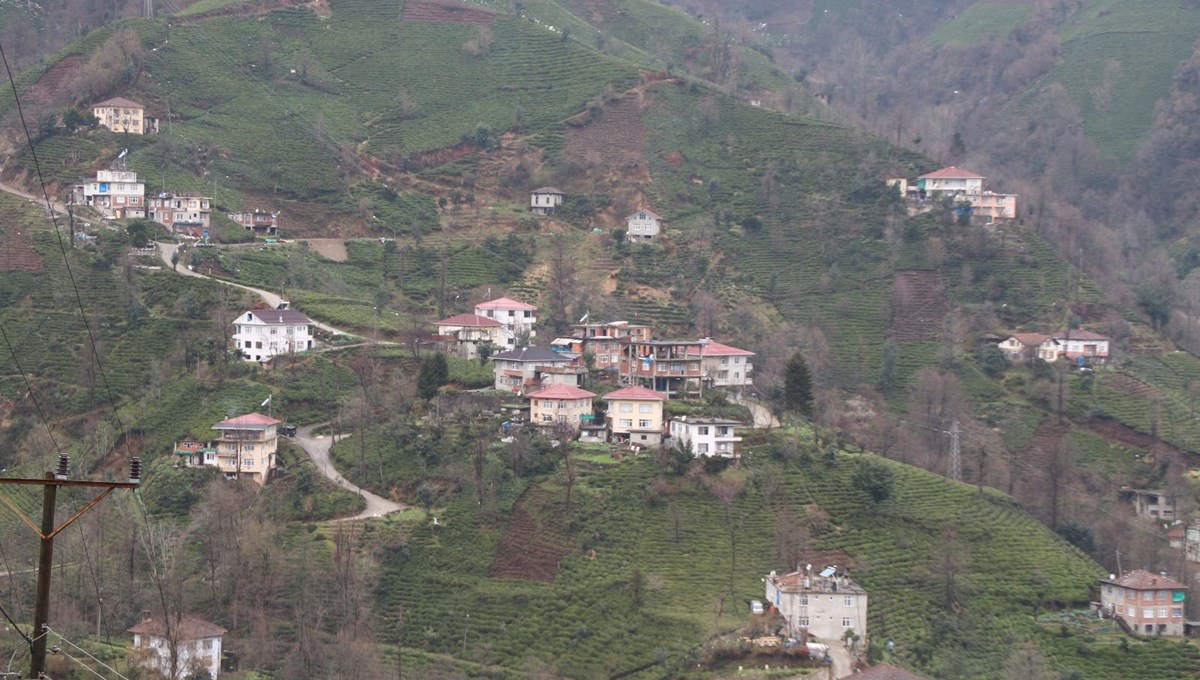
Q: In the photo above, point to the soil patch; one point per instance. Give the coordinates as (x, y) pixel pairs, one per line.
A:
(49, 90)
(1127, 436)
(1127, 384)
(918, 305)
(534, 544)
(329, 248)
(615, 137)
(446, 12)
(16, 251)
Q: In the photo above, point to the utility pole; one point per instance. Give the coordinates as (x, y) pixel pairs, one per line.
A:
(955, 453)
(47, 532)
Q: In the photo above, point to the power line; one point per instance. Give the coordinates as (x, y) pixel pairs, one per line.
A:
(85, 653)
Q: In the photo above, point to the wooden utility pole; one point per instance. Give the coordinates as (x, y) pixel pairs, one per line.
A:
(47, 532)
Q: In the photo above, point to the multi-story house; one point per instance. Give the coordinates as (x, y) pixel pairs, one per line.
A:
(672, 367)
(561, 406)
(262, 334)
(643, 225)
(706, 436)
(1157, 506)
(1150, 604)
(462, 334)
(825, 605)
(1020, 348)
(116, 194)
(950, 182)
(517, 319)
(635, 415)
(523, 370)
(197, 644)
(992, 206)
(546, 200)
(245, 448)
(123, 115)
(726, 366)
(262, 222)
(182, 212)
(1076, 345)
(604, 342)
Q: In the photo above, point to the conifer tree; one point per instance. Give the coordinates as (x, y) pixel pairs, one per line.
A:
(797, 386)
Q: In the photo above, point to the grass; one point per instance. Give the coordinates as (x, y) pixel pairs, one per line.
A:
(981, 20)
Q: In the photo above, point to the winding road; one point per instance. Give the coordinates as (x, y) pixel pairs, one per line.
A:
(317, 449)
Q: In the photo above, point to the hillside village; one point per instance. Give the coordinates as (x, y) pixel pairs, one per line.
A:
(617, 356)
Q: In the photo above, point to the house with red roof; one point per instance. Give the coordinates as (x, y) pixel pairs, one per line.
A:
(963, 186)
(1021, 348)
(950, 181)
(725, 366)
(516, 318)
(643, 225)
(196, 644)
(1148, 603)
(263, 334)
(635, 415)
(561, 406)
(462, 334)
(244, 448)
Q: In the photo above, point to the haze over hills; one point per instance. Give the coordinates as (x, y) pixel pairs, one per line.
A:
(414, 132)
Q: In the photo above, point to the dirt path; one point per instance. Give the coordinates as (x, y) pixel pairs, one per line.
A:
(317, 448)
(763, 419)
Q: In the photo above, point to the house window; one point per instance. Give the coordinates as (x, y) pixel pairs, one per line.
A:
(1147, 595)
(1176, 612)
(643, 423)
(208, 643)
(736, 375)
(547, 418)
(645, 408)
(248, 447)
(1162, 613)
(847, 622)
(803, 600)
(724, 361)
(802, 622)
(702, 430)
(247, 344)
(562, 404)
(562, 419)
(1162, 594)
(1147, 613)
(1132, 612)
(248, 462)
(702, 448)
(723, 430)
(626, 422)
(626, 408)
(848, 601)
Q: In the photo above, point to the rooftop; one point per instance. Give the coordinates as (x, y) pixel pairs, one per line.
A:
(250, 421)
(716, 349)
(275, 317)
(505, 303)
(825, 581)
(119, 102)
(187, 627)
(648, 213)
(709, 421)
(951, 173)
(1077, 334)
(532, 354)
(469, 320)
(1140, 579)
(561, 392)
(1030, 338)
(549, 190)
(635, 392)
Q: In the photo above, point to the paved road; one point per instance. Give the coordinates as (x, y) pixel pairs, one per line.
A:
(166, 250)
(317, 449)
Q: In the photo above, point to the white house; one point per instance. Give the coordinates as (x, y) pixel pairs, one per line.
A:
(1021, 348)
(546, 200)
(825, 604)
(707, 436)
(116, 194)
(643, 225)
(262, 334)
(197, 644)
(516, 318)
(523, 370)
(181, 211)
(725, 366)
(462, 334)
(1076, 345)
(950, 181)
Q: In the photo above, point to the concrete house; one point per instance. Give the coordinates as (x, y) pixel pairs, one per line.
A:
(606, 342)
(116, 194)
(725, 366)
(1157, 506)
(246, 446)
(197, 643)
(1021, 348)
(262, 334)
(182, 212)
(950, 182)
(643, 225)
(672, 367)
(706, 436)
(1150, 604)
(1077, 346)
(516, 318)
(462, 334)
(824, 605)
(561, 406)
(262, 222)
(635, 415)
(523, 370)
(546, 200)
(123, 115)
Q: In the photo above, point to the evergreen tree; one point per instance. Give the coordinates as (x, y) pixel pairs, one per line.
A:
(434, 373)
(797, 386)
